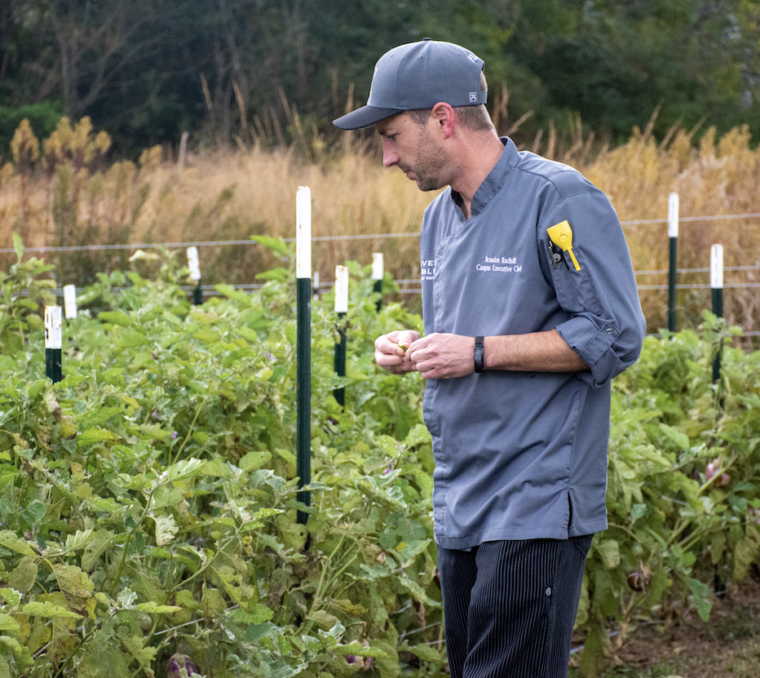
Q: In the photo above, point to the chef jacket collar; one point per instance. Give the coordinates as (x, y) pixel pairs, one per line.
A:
(494, 181)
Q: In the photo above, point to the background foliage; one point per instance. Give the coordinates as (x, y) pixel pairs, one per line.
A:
(147, 70)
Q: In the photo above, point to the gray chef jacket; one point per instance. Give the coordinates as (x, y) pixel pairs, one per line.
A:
(523, 455)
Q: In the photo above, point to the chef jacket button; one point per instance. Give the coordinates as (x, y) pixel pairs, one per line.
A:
(548, 590)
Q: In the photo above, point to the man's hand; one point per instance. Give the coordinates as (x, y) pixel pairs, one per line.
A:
(391, 351)
(443, 356)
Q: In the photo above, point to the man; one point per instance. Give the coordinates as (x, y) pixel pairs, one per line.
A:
(530, 308)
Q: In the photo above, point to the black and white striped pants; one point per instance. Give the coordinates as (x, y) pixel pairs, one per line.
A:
(509, 606)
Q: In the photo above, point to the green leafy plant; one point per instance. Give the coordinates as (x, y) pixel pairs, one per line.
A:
(148, 500)
(682, 485)
(158, 493)
(22, 292)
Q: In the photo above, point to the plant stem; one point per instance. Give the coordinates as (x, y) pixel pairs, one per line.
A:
(198, 410)
(126, 545)
(203, 568)
(627, 531)
(676, 533)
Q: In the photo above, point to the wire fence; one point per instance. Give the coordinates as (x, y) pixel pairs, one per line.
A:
(327, 284)
(335, 238)
(411, 286)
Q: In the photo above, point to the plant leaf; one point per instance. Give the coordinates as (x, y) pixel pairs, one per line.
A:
(18, 245)
(48, 610)
(166, 529)
(10, 541)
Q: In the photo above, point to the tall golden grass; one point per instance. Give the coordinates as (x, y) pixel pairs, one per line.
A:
(70, 196)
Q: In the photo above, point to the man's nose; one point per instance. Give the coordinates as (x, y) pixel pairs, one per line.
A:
(390, 157)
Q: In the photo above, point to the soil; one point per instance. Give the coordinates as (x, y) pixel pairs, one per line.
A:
(728, 646)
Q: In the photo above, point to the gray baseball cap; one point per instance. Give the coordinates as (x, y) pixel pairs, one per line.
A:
(418, 76)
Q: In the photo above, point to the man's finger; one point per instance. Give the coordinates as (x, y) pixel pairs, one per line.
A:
(393, 344)
(419, 355)
(386, 359)
(387, 347)
(401, 349)
(415, 348)
(405, 340)
(424, 365)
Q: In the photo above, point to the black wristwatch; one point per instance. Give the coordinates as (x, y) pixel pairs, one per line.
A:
(479, 354)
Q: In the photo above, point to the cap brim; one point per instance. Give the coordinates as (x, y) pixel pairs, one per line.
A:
(364, 117)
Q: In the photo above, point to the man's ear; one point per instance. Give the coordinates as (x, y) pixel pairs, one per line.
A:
(445, 118)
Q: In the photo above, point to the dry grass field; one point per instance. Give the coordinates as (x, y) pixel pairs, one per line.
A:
(62, 191)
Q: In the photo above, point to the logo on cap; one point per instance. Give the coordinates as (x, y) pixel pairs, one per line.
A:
(472, 58)
(474, 97)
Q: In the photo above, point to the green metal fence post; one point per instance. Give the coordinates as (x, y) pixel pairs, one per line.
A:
(341, 308)
(303, 346)
(195, 274)
(673, 259)
(377, 276)
(53, 343)
(716, 283)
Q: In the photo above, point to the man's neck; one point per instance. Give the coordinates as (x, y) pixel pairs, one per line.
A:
(478, 156)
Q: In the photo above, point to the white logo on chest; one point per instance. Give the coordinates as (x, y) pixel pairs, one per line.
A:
(427, 269)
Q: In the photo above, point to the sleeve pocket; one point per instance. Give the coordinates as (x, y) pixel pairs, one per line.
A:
(575, 289)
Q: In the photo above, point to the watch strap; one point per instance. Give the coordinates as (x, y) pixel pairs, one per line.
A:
(479, 354)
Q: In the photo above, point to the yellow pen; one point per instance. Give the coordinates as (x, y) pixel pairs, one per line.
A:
(562, 236)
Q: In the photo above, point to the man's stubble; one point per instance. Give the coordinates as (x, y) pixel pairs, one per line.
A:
(429, 164)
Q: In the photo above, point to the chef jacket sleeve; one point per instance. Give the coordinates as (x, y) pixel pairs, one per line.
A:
(606, 326)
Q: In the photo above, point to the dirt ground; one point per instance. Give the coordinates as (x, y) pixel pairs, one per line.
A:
(728, 646)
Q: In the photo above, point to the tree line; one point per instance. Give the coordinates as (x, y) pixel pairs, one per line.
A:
(147, 70)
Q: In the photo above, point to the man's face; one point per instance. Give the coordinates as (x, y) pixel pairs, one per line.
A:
(414, 148)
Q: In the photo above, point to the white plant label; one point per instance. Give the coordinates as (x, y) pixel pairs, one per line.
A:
(377, 266)
(193, 263)
(673, 215)
(70, 301)
(53, 327)
(716, 267)
(303, 232)
(341, 289)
